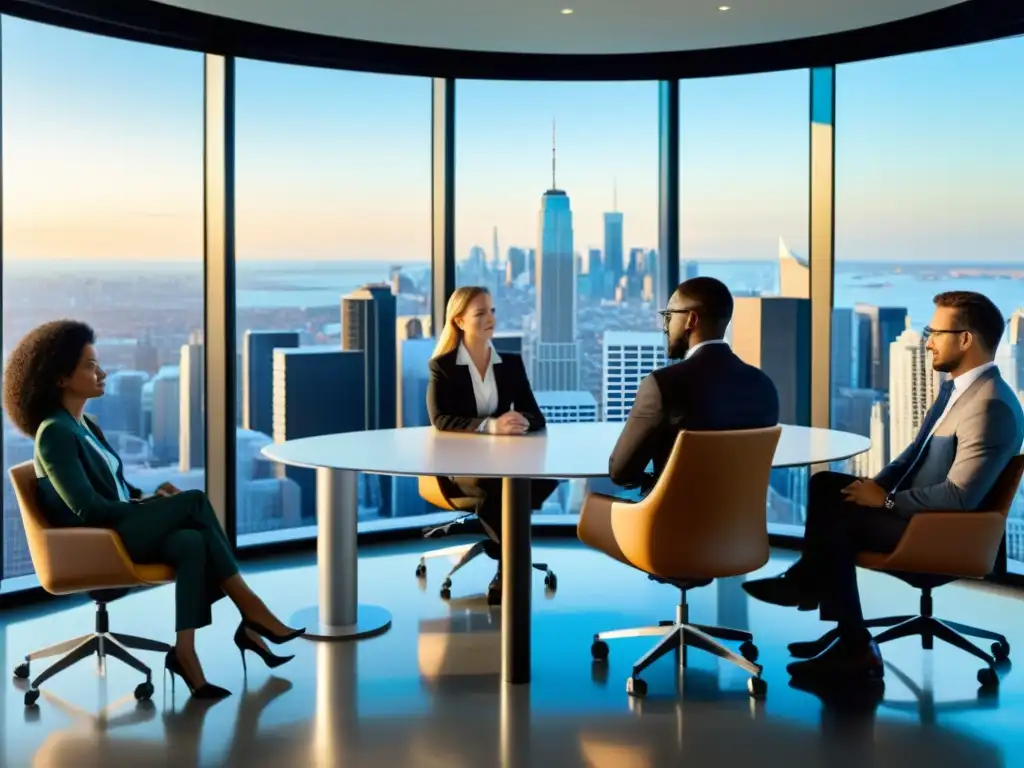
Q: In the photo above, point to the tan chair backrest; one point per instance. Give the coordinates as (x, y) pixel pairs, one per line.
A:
(708, 511)
(433, 492)
(1000, 498)
(26, 490)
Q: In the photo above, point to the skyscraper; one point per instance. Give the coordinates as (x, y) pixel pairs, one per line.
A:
(557, 358)
(192, 412)
(774, 334)
(794, 274)
(305, 406)
(368, 319)
(628, 357)
(877, 328)
(258, 376)
(913, 387)
(567, 407)
(613, 242)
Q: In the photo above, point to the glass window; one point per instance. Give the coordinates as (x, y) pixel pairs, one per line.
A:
(557, 185)
(333, 271)
(103, 222)
(744, 207)
(929, 179)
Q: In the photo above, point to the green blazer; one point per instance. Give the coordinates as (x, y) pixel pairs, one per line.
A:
(75, 484)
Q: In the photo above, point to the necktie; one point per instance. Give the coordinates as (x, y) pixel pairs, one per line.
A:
(934, 414)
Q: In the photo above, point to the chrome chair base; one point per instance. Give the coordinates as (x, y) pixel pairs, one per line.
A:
(100, 643)
(677, 636)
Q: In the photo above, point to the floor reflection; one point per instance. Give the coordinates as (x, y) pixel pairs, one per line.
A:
(429, 693)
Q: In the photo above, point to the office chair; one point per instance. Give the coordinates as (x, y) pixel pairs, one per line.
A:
(90, 560)
(433, 492)
(938, 548)
(704, 519)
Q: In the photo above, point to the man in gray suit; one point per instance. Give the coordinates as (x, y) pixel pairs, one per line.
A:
(966, 440)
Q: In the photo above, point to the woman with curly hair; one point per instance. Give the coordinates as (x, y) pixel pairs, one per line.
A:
(49, 377)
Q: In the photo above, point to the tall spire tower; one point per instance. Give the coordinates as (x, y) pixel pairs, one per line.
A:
(554, 184)
(556, 361)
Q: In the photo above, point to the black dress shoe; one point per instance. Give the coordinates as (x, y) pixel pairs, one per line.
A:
(789, 590)
(808, 649)
(847, 659)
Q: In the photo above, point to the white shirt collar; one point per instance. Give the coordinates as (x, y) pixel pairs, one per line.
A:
(463, 358)
(692, 350)
(964, 380)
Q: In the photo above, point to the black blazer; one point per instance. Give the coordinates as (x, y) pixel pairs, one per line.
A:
(712, 390)
(451, 403)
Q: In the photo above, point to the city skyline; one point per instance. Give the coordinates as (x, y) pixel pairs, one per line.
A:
(336, 165)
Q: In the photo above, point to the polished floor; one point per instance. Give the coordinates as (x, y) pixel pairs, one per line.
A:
(427, 693)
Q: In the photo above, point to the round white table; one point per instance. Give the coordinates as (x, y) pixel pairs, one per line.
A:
(562, 451)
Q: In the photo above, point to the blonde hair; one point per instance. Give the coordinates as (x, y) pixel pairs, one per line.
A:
(458, 303)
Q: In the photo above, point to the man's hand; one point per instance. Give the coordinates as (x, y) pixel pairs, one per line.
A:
(865, 492)
(166, 489)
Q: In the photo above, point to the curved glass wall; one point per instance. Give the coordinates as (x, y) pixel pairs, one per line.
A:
(558, 182)
(929, 185)
(743, 218)
(103, 222)
(333, 277)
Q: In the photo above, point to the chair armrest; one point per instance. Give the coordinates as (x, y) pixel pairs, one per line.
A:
(949, 544)
(80, 559)
(615, 527)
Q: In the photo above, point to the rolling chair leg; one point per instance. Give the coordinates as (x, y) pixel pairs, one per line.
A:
(83, 651)
(140, 643)
(722, 633)
(58, 648)
(668, 643)
(965, 629)
(120, 653)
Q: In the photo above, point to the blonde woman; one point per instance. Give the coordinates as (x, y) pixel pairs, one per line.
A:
(474, 389)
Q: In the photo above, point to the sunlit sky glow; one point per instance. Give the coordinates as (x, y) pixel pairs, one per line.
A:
(102, 150)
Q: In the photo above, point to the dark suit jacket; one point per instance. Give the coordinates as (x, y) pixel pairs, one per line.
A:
(712, 390)
(75, 484)
(451, 403)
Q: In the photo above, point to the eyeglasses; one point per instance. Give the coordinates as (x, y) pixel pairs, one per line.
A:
(666, 314)
(929, 331)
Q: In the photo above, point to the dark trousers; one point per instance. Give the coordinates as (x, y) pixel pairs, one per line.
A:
(182, 531)
(836, 531)
(489, 491)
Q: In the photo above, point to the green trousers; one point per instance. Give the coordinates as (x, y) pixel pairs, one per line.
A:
(182, 531)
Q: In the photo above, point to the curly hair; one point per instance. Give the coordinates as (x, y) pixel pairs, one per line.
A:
(44, 356)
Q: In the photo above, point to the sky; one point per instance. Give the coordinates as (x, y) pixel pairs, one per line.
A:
(102, 150)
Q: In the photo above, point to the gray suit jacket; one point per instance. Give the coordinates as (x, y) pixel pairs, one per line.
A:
(961, 463)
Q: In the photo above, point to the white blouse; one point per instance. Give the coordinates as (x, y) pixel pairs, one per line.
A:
(485, 388)
(111, 461)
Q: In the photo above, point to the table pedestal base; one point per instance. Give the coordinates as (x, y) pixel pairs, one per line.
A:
(339, 616)
(372, 620)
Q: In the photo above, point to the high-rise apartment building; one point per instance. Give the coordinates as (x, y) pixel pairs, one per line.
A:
(258, 376)
(774, 334)
(192, 407)
(913, 387)
(628, 357)
(567, 407)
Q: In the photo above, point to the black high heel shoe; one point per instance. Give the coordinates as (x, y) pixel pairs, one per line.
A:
(204, 691)
(246, 643)
(266, 634)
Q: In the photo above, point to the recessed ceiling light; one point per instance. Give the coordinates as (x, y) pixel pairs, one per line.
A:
(724, 7)
(567, 11)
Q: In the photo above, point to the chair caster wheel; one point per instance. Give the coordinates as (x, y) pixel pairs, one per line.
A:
(1001, 651)
(636, 687)
(421, 571)
(599, 650)
(446, 594)
(446, 584)
(757, 687)
(749, 651)
(21, 671)
(988, 677)
(143, 691)
(551, 581)
(31, 697)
